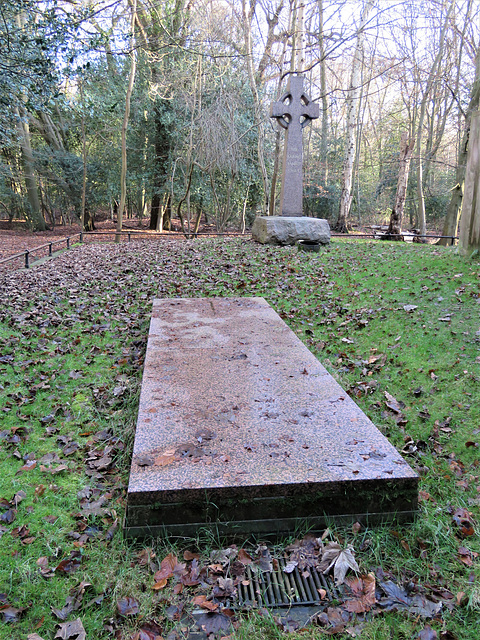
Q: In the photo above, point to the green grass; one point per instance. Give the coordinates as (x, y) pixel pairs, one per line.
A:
(72, 339)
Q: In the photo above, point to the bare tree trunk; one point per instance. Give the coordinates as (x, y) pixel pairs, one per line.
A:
(217, 207)
(276, 165)
(432, 78)
(323, 97)
(196, 107)
(453, 213)
(395, 227)
(11, 160)
(197, 220)
(353, 104)
(299, 54)
(185, 197)
(142, 191)
(167, 213)
(34, 216)
(123, 175)
(84, 160)
(154, 211)
(362, 105)
(276, 161)
(247, 12)
(244, 210)
(436, 135)
(469, 241)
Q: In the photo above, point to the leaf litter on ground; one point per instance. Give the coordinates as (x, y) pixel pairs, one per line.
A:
(112, 287)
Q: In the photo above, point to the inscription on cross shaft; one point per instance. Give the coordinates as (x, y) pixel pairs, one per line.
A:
(293, 112)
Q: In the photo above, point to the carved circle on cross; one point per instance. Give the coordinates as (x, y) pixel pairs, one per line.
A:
(294, 107)
(285, 119)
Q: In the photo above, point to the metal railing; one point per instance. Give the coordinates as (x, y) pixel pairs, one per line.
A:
(27, 253)
(380, 236)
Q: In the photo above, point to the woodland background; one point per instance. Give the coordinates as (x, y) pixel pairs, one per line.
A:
(160, 109)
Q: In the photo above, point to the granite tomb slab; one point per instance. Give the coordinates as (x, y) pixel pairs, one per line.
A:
(242, 430)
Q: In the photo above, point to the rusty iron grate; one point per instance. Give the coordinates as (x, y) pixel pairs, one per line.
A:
(279, 589)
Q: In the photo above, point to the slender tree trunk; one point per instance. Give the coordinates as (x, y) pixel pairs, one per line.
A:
(300, 37)
(12, 164)
(154, 211)
(34, 216)
(278, 140)
(196, 106)
(276, 166)
(161, 212)
(244, 210)
(185, 197)
(323, 97)
(353, 100)
(197, 219)
(162, 145)
(454, 208)
(217, 207)
(362, 105)
(395, 227)
(142, 192)
(167, 213)
(469, 241)
(84, 160)
(247, 11)
(123, 175)
(432, 78)
(453, 212)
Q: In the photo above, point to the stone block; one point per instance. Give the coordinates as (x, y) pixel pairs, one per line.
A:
(242, 431)
(287, 230)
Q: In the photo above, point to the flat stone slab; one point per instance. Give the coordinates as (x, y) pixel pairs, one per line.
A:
(242, 430)
(288, 230)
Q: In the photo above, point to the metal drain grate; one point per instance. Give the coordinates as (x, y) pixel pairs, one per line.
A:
(279, 589)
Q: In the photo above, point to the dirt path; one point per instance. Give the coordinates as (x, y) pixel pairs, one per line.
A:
(16, 238)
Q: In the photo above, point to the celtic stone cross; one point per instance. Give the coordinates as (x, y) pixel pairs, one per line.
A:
(293, 112)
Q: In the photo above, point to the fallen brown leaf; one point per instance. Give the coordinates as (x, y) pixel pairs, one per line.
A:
(463, 519)
(341, 560)
(214, 622)
(203, 603)
(244, 557)
(148, 631)
(161, 584)
(334, 619)
(128, 606)
(427, 634)
(392, 403)
(73, 602)
(11, 614)
(466, 556)
(168, 567)
(363, 588)
(70, 564)
(71, 630)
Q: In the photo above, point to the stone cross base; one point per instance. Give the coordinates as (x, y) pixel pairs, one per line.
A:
(289, 230)
(241, 430)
